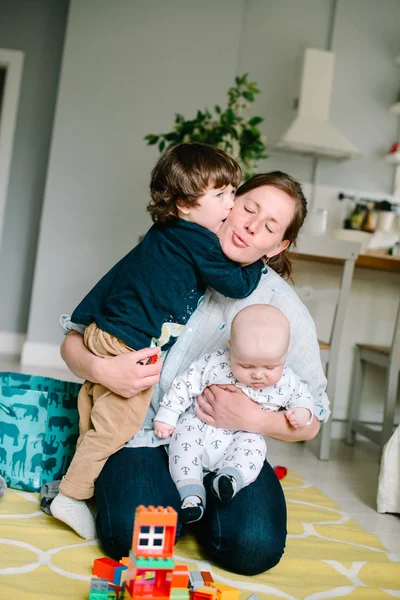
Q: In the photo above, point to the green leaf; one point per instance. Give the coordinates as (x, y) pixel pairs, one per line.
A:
(226, 123)
(249, 96)
(170, 137)
(151, 139)
(255, 121)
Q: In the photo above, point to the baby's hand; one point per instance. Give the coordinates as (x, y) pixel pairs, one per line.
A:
(162, 430)
(298, 417)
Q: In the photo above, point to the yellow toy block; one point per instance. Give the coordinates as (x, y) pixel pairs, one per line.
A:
(225, 592)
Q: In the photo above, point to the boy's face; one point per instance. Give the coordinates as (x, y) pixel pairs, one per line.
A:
(256, 371)
(212, 208)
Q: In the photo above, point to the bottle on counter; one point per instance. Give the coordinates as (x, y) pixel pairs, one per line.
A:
(371, 218)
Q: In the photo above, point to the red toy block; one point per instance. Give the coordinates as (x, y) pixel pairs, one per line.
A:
(104, 568)
(207, 577)
(180, 577)
(280, 472)
(203, 593)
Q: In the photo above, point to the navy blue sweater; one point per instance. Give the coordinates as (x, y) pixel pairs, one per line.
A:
(161, 281)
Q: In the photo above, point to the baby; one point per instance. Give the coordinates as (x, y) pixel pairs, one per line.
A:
(255, 363)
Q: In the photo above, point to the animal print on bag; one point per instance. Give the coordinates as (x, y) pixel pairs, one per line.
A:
(38, 429)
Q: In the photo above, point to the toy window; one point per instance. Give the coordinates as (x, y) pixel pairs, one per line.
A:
(151, 537)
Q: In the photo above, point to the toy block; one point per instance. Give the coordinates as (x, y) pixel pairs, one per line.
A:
(98, 595)
(98, 584)
(204, 593)
(98, 589)
(225, 592)
(180, 576)
(105, 567)
(195, 580)
(153, 564)
(154, 531)
(118, 571)
(280, 472)
(180, 594)
(207, 577)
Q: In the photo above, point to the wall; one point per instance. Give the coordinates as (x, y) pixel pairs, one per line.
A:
(125, 73)
(36, 27)
(365, 41)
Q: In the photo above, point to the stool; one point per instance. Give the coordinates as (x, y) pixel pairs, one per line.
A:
(344, 253)
(383, 356)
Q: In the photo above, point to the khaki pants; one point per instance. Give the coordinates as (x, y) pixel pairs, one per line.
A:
(106, 421)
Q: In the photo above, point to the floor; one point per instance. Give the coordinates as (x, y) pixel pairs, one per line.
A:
(349, 478)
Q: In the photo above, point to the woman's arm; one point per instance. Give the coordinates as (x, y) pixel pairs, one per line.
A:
(219, 408)
(121, 374)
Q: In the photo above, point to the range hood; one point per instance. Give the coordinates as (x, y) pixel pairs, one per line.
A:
(311, 132)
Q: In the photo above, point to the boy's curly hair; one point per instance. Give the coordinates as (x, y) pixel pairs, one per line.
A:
(183, 173)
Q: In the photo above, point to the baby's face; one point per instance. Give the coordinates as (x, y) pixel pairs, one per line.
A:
(255, 371)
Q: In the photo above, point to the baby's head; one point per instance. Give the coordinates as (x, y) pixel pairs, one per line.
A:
(260, 336)
(194, 182)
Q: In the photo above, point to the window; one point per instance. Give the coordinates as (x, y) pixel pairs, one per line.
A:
(151, 537)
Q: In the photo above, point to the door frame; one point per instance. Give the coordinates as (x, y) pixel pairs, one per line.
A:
(12, 61)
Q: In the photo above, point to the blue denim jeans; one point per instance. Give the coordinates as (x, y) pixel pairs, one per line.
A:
(246, 535)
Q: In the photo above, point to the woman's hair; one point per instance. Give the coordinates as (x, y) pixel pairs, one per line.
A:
(183, 173)
(281, 263)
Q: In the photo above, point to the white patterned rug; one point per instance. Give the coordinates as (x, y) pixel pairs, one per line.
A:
(328, 555)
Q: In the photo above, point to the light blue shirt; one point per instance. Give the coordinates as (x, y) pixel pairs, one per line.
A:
(208, 330)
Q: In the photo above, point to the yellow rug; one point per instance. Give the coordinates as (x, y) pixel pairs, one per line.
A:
(328, 555)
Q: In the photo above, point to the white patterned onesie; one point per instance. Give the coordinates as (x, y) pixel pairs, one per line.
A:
(196, 447)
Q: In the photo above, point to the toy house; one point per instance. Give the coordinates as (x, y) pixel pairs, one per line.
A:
(150, 571)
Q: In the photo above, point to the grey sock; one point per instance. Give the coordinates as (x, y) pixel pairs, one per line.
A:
(48, 492)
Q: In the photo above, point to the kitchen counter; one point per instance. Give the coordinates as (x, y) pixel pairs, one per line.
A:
(370, 260)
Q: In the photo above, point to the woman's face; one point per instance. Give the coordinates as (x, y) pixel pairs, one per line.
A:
(256, 225)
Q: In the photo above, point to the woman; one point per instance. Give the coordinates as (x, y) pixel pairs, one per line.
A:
(248, 534)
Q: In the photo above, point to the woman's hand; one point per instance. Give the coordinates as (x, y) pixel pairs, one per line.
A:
(125, 375)
(227, 407)
(121, 374)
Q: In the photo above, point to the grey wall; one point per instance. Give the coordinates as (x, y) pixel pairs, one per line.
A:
(129, 66)
(366, 40)
(37, 28)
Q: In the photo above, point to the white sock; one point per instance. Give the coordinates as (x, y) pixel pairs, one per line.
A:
(74, 513)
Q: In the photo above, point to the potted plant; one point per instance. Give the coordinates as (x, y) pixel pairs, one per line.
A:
(229, 129)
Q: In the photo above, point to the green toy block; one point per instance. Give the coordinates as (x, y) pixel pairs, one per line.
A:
(179, 594)
(154, 563)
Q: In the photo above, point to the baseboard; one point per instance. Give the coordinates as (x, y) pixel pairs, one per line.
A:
(11, 344)
(35, 354)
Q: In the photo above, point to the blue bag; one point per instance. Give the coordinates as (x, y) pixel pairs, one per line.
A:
(38, 429)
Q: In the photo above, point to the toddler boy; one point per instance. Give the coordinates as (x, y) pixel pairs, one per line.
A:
(255, 363)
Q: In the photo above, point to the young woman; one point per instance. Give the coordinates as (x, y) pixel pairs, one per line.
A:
(248, 534)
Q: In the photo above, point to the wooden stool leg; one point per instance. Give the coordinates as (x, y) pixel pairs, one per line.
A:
(355, 396)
